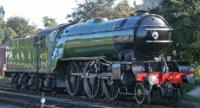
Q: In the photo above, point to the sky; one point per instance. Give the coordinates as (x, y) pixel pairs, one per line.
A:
(35, 10)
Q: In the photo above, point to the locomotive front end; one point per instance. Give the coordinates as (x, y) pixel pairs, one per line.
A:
(149, 77)
(152, 35)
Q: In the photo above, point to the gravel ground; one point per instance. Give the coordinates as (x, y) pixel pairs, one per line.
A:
(8, 106)
(195, 92)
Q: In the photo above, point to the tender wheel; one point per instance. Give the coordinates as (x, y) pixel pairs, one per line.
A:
(72, 80)
(15, 81)
(25, 81)
(140, 93)
(111, 90)
(92, 84)
(36, 83)
(48, 82)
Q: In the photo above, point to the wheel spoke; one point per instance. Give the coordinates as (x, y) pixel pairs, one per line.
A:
(91, 85)
(72, 82)
(139, 93)
(93, 89)
(110, 90)
(25, 81)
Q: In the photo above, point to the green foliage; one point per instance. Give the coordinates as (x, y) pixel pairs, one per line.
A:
(49, 22)
(100, 8)
(2, 13)
(14, 26)
(21, 26)
(92, 9)
(122, 9)
(196, 68)
(184, 17)
(1, 35)
(8, 33)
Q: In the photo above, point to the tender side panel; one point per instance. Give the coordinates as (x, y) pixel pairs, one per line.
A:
(21, 54)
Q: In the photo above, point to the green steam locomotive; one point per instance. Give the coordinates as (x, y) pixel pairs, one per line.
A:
(100, 56)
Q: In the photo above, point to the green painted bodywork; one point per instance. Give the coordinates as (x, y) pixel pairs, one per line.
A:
(21, 54)
(93, 38)
(89, 47)
(87, 39)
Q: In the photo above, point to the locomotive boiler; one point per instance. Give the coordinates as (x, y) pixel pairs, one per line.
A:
(114, 57)
(140, 37)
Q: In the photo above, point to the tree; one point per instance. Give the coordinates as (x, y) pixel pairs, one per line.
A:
(92, 9)
(122, 9)
(1, 35)
(21, 26)
(184, 17)
(8, 34)
(49, 22)
(15, 26)
(2, 13)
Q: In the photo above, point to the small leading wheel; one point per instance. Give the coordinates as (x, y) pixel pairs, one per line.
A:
(72, 81)
(156, 93)
(140, 93)
(92, 84)
(110, 89)
(177, 95)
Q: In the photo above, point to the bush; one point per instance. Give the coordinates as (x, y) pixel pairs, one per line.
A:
(4, 81)
(196, 70)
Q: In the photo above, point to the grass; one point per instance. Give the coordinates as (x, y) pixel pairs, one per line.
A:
(187, 88)
(191, 98)
(3, 81)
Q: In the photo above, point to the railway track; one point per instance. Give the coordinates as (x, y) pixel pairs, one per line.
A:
(32, 100)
